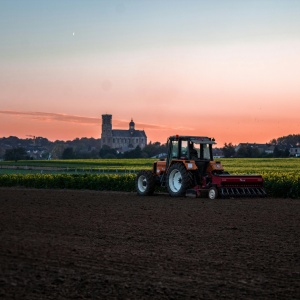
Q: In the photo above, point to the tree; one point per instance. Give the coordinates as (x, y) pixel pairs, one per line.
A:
(155, 149)
(286, 153)
(57, 149)
(107, 152)
(136, 153)
(84, 154)
(228, 150)
(254, 152)
(276, 152)
(16, 154)
(281, 153)
(2, 152)
(242, 152)
(68, 153)
(248, 151)
(292, 140)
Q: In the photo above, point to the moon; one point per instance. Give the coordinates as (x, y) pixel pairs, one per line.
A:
(73, 33)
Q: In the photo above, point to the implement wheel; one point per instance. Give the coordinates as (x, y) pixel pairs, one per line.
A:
(213, 193)
(145, 183)
(178, 180)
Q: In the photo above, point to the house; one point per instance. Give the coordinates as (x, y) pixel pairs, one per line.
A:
(217, 153)
(295, 151)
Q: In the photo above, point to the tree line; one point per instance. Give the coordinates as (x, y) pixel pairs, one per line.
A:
(248, 151)
(280, 148)
(13, 148)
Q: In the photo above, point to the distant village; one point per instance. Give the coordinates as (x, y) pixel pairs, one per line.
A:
(130, 143)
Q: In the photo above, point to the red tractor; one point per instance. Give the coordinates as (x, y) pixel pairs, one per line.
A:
(189, 170)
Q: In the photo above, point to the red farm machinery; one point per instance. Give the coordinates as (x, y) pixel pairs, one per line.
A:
(190, 170)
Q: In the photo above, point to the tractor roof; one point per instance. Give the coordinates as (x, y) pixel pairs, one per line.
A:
(194, 139)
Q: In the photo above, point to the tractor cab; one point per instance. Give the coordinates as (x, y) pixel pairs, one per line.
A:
(190, 148)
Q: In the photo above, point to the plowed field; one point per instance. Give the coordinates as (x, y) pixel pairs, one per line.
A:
(65, 244)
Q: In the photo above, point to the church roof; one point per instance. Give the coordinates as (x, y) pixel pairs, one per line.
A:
(127, 133)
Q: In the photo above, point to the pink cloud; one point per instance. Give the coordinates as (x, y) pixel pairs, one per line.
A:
(53, 117)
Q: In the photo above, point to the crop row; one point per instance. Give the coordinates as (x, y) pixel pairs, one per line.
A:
(84, 163)
(261, 165)
(276, 184)
(232, 165)
(71, 181)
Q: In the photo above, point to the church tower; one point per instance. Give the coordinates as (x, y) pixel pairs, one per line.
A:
(131, 126)
(106, 135)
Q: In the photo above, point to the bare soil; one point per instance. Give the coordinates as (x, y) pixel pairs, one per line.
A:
(65, 244)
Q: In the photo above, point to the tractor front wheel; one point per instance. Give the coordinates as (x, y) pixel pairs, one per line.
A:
(213, 193)
(178, 180)
(145, 183)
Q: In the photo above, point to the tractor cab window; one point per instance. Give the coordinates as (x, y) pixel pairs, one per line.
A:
(184, 148)
(206, 152)
(194, 150)
(174, 149)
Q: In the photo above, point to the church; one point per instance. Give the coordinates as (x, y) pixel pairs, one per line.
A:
(121, 140)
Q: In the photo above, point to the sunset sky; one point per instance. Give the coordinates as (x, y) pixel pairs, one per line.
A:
(227, 69)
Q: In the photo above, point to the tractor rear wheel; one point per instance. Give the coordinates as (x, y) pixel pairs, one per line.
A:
(178, 180)
(145, 183)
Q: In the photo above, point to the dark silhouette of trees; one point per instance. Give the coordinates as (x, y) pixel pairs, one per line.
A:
(68, 153)
(107, 152)
(292, 140)
(280, 153)
(154, 149)
(85, 148)
(248, 151)
(16, 154)
(228, 150)
(135, 153)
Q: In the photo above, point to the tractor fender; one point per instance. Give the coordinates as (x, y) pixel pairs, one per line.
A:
(159, 167)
